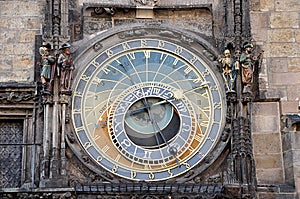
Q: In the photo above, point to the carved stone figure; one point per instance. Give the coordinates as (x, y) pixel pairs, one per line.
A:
(47, 61)
(228, 69)
(147, 2)
(65, 68)
(248, 62)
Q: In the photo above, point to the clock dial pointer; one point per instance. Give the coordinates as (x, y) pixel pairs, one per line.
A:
(177, 95)
(172, 150)
(143, 108)
(202, 85)
(147, 107)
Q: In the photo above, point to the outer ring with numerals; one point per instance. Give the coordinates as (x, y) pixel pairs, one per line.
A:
(148, 109)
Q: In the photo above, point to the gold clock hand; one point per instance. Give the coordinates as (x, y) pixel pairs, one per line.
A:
(179, 93)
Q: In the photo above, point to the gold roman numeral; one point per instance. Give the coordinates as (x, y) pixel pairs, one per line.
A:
(147, 54)
(188, 70)
(126, 46)
(95, 63)
(178, 50)
(133, 174)
(131, 56)
(105, 148)
(87, 145)
(109, 53)
(143, 43)
(161, 44)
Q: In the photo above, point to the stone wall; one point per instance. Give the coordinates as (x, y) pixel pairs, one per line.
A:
(267, 143)
(276, 28)
(20, 22)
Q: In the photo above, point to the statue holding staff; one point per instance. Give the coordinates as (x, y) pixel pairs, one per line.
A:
(66, 67)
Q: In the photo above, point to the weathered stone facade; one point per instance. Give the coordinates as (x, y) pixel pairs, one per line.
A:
(281, 23)
(20, 23)
(59, 167)
(275, 26)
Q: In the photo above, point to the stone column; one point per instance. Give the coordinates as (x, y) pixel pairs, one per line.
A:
(46, 141)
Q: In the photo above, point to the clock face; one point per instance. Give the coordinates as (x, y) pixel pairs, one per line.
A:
(147, 109)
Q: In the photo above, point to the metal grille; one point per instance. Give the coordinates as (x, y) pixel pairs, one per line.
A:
(11, 136)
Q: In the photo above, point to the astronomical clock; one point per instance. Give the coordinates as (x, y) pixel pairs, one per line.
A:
(133, 99)
(148, 105)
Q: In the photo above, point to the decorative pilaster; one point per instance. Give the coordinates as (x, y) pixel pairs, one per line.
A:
(64, 99)
(241, 160)
(56, 33)
(46, 141)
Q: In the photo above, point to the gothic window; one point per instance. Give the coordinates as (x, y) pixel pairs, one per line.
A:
(11, 136)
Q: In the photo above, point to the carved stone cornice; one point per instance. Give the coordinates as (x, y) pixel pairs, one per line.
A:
(147, 3)
(45, 194)
(15, 93)
(16, 97)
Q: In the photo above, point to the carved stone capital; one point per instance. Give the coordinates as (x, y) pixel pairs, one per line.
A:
(231, 96)
(146, 3)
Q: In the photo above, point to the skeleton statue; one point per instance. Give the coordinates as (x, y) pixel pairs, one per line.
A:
(229, 67)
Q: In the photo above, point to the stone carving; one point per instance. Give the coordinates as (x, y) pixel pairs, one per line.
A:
(248, 62)
(94, 27)
(46, 195)
(147, 2)
(186, 39)
(229, 66)
(132, 33)
(14, 97)
(168, 33)
(217, 178)
(101, 10)
(97, 46)
(66, 67)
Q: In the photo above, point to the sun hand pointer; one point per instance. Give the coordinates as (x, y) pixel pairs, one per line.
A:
(173, 151)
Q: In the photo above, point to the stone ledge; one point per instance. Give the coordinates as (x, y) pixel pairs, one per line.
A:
(275, 188)
(14, 84)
